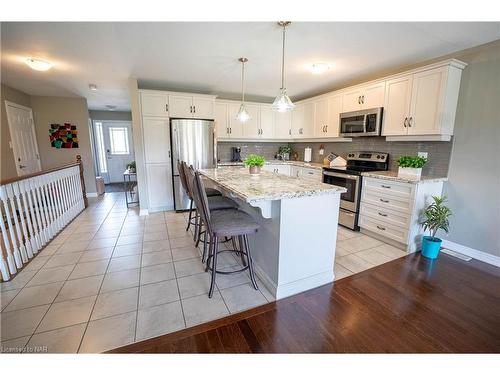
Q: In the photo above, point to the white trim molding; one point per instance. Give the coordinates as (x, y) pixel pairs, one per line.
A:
(473, 253)
(92, 195)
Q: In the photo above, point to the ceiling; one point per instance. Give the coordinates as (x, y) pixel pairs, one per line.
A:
(202, 57)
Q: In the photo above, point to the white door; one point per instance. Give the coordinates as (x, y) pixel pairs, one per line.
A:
(22, 133)
(221, 121)
(119, 148)
(203, 108)
(235, 126)
(154, 104)
(251, 128)
(320, 117)
(283, 124)
(266, 122)
(308, 126)
(397, 106)
(160, 193)
(180, 106)
(373, 96)
(298, 121)
(156, 140)
(352, 101)
(334, 110)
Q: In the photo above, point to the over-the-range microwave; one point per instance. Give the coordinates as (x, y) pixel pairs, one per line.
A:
(363, 123)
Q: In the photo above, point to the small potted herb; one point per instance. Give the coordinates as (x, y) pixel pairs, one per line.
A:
(254, 163)
(411, 166)
(284, 152)
(131, 167)
(435, 217)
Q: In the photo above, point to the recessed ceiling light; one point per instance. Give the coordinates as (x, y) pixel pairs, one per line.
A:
(92, 86)
(319, 68)
(38, 64)
(111, 107)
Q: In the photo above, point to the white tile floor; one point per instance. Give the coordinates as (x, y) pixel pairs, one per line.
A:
(112, 278)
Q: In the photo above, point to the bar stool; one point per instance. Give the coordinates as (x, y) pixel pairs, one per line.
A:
(224, 223)
(210, 192)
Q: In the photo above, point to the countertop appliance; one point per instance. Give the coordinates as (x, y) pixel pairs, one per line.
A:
(236, 154)
(350, 178)
(361, 123)
(192, 141)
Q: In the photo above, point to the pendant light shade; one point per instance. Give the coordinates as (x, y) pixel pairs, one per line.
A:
(243, 115)
(282, 103)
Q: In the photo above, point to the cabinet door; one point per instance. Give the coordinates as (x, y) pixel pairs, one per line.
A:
(426, 102)
(203, 108)
(373, 96)
(351, 101)
(221, 120)
(154, 104)
(295, 171)
(320, 117)
(266, 122)
(235, 127)
(397, 106)
(298, 121)
(160, 194)
(308, 126)
(334, 111)
(181, 106)
(284, 169)
(251, 127)
(156, 139)
(283, 124)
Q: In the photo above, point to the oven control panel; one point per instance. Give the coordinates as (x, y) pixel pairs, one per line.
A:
(371, 156)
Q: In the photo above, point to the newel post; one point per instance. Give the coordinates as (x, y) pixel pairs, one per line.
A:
(80, 165)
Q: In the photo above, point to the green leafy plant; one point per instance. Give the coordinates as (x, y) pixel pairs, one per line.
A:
(285, 150)
(255, 161)
(435, 217)
(131, 165)
(411, 161)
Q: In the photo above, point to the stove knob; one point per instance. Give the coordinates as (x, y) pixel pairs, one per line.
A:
(378, 156)
(383, 157)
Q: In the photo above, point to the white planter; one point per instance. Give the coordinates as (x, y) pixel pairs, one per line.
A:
(410, 173)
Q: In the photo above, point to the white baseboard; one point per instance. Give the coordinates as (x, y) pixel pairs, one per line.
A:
(268, 283)
(473, 253)
(91, 195)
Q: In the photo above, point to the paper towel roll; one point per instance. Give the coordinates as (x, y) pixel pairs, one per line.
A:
(307, 154)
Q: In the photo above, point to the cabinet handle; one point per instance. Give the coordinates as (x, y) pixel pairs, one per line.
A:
(381, 214)
(410, 121)
(362, 99)
(230, 130)
(381, 228)
(384, 200)
(386, 186)
(194, 109)
(326, 128)
(289, 131)
(190, 109)
(405, 122)
(359, 99)
(166, 107)
(310, 172)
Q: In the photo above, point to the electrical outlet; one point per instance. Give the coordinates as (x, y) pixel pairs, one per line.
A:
(321, 151)
(423, 154)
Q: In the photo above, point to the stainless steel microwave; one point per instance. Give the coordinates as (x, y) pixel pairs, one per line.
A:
(361, 123)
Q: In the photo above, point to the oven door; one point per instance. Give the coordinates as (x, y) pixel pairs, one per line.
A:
(349, 199)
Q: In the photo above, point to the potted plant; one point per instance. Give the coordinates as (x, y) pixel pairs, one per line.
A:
(435, 217)
(284, 152)
(131, 167)
(411, 166)
(254, 163)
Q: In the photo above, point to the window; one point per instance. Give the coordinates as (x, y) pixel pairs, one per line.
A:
(100, 147)
(118, 139)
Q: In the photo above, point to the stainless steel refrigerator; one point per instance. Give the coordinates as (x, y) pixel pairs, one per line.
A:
(192, 142)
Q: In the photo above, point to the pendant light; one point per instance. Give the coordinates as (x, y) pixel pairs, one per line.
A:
(243, 115)
(282, 103)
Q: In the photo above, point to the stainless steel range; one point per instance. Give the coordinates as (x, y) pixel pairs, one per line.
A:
(350, 178)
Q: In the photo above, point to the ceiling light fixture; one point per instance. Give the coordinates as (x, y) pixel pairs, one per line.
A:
(243, 115)
(319, 68)
(282, 103)
(37, 64)
(92, 86)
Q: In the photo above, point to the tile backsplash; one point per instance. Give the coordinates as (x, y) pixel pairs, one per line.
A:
(439, 153)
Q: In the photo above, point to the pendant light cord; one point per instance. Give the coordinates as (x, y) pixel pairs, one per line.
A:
(243, 81)
(283, 60)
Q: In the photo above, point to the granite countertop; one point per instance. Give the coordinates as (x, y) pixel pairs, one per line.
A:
(276, 162)
(266, 185)
(393, 176)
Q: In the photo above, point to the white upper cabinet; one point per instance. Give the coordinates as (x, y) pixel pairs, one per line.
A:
(397, 105)
(334, 111)
(221, 120)
(303, 120)
(283, 124)
(157, 139)
(154, 104)
(189, 106)
(320, 117)
(251, 127)
(267, 119)
(365, 97)
(235, 126)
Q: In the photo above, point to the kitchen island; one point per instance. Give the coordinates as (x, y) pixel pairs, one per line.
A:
(294, 249)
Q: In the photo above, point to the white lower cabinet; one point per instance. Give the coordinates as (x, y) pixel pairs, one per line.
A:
(307, 173)
(391, 209)
(160, 193)
(278, 168)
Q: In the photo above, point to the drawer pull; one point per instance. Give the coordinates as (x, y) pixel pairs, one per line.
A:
(381, 214)
(381, 228)
(386, 186)
(384, 200)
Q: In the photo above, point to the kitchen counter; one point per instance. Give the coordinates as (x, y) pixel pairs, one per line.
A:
(276, 162)
(294, 248)
(393, 176)
(266, 185)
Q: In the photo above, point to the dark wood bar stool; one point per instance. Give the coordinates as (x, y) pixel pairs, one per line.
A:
(219, 224)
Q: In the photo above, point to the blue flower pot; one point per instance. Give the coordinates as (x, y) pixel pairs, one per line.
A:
(430, 247)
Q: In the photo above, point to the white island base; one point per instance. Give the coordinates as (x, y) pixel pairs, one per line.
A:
(294, 249)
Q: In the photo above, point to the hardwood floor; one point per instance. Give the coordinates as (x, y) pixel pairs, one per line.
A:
(408, 305)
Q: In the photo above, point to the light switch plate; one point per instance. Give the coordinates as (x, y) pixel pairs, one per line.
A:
(423, 154)
(321, 151)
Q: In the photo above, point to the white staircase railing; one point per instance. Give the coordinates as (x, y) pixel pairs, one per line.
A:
(34, 209)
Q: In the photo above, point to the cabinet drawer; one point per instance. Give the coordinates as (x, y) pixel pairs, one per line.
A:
(395, 189)
(385, 215)
(387, 201)
(387, 230)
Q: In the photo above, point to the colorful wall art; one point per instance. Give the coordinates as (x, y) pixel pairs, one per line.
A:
(63, 136)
